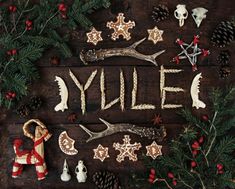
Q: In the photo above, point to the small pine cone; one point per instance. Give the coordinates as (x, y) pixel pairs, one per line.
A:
(223, 34)
(105, 180)
(224, 57)
(35, 103)
(23, 110)
(224, 71)
(160, 12)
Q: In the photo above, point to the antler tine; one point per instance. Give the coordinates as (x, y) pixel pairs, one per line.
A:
(90, 133)
(154, 56)
(134, 45)
(109, 125)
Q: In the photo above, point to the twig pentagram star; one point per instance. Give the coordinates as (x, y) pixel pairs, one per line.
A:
(155, 35)
(94, 36)
(154, 150)
(101, 153)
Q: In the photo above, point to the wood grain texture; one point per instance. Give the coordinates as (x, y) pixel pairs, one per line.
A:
(148, 92)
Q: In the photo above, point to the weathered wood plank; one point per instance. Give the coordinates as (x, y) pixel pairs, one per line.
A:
(139, 11)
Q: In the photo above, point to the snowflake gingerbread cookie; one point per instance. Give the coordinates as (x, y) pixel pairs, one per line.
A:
(154, 150)
(127, 149)
(101, 153)
(155, 35)
(121, 27)
(94, 36)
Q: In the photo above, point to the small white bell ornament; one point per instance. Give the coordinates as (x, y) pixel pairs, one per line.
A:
(181, 14)
(198, 15)
(81, 172)
(65, 176)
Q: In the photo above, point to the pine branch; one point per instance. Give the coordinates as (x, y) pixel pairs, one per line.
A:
(28, 40)
(213, 163)
(225, 145)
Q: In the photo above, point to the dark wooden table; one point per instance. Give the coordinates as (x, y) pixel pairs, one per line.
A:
(148, 84)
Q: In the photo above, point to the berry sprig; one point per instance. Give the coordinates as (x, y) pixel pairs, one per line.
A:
(63, 10)
(220, 168)
(10, 95)
(29, 25)
(152, 176)
(12, 8)
(12, 52)
(172, 177)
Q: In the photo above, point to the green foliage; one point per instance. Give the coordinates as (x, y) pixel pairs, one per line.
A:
(216, 149)
(18, 70)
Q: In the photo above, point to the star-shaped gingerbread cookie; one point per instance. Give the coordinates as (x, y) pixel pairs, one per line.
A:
(101, 153)
(121, 27)
(154, 150)
(127, 149)
(94, 36)
(155, 35)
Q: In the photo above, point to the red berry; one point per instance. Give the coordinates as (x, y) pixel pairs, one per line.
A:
(193, 164)
(195, 152)
(201, 140)
(205, 118)
(151, 176)
(219, 166)
(13, 51)
(174, 182)
(151, 180)
(9, 52)
(170, 175)
(13, 95)
(62, 7)
(28, 23)
(152, 171)
(195, 145)
(29, 28)
(8, 96)
(221, 172)
(12, 8)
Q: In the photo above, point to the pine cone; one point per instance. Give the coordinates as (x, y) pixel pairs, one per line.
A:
(105, 180)
(160, 12)
(224, 57)
(224, 71)
(223, 34)
(23, 110)
(35, 103)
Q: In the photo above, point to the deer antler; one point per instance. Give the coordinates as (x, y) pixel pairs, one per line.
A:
(150, 133)
(101, 54)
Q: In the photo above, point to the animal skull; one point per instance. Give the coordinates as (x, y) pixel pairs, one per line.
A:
(181, 14)
(81, 172)
(65, 176)
(199, 14)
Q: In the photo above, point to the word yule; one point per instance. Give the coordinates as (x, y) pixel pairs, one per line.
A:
(121, 98)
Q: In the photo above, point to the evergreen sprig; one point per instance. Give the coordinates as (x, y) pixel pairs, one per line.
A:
(209, 144)
(27, 29)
